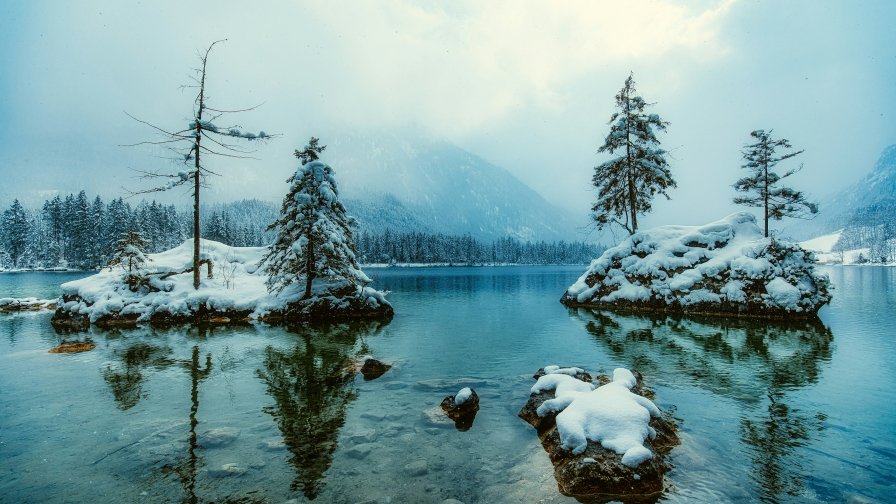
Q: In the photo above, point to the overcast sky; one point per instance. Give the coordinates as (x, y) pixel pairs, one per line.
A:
(527, 85)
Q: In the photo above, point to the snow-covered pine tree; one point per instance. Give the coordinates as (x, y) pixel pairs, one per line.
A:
(763, 186)
(627, 183)
(314, 233)
(15, 232)
(129, 254)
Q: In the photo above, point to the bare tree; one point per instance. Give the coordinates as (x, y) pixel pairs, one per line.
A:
(201, 136)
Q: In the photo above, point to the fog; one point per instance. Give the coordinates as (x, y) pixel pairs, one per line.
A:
(527, 85)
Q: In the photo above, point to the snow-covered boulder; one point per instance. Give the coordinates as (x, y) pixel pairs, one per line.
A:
(462, 407)
(232, 290)
(725, 267)
(607, 440)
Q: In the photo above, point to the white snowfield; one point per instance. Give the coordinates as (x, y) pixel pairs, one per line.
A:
(725, 262)
(823, 248)
(238, 284)
(611, 414)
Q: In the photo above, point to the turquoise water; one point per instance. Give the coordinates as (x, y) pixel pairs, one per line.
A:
(768, 412)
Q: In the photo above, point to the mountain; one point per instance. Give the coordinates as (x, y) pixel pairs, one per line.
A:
(877, 188)
(407, 182)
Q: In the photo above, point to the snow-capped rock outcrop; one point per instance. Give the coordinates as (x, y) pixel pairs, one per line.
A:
(725, 267)
(232, 290)
(605, 439)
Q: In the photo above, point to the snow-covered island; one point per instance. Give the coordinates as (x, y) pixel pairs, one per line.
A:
(235, 292)
(310, 272)
(725, 267)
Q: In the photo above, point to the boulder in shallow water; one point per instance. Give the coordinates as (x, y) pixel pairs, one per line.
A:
(462, 408)
(373, 369)
(584, 468)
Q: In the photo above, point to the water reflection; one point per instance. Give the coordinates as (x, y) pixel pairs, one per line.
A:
(772, 440)
(312, 385)
(126, 379)
(737, 358)
(756, 362)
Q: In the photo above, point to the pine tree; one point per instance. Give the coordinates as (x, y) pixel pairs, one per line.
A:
(314, 233)
(763, 186)
(129, 254)
(15, 232)
(627, 183)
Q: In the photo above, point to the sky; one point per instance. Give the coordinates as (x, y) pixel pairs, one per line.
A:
(527, 85)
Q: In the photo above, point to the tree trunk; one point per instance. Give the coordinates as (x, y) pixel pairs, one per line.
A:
(765, 196)
(309, 269)
(196, 175)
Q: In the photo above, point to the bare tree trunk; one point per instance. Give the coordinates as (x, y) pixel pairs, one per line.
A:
(196, 173)
(309, 269)
(765, 198)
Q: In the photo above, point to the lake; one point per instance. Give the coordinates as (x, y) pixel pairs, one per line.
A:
(768, 412)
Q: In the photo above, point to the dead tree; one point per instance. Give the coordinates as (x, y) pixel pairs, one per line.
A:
(201, 136)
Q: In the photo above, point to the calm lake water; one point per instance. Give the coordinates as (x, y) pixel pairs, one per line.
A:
(768, 412)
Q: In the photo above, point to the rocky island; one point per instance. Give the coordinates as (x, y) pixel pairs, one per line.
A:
(726, 267)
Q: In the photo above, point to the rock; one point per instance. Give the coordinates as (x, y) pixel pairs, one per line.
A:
(598, 470)
(436, 417)
(416, 468)
(218, 437)
(374, 415)
(365, 436)
(73, 347)
(231, 469)
(373, 369)
(577, 373)
(272, 444)
(359, 451)
(462, 408)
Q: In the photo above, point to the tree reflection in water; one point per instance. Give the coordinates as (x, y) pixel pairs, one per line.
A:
(126, 379)
(312, 385)
(752, 361)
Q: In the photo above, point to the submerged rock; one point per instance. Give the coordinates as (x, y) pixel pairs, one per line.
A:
(462, 408)
(373, 369)
(592, 471)
(725, 267)
(73, 347)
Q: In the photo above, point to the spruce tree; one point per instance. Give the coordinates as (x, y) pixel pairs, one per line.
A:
(15, 232)
(627, 183)
(314, 233)
(763, 186)
(130, 255)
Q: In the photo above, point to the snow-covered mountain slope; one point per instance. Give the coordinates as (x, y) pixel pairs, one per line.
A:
(406, 181)
(837, 211)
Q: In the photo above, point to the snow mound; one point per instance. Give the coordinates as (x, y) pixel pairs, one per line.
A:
(611, 414)
(236, 288)
(727, 266)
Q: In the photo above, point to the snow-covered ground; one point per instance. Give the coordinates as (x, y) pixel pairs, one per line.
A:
(723, 266)
(823, 247)
(237, 285)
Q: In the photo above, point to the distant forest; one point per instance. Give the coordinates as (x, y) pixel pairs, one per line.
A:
(80, 232)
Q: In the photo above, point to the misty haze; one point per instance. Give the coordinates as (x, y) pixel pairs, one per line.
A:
(462, 252)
